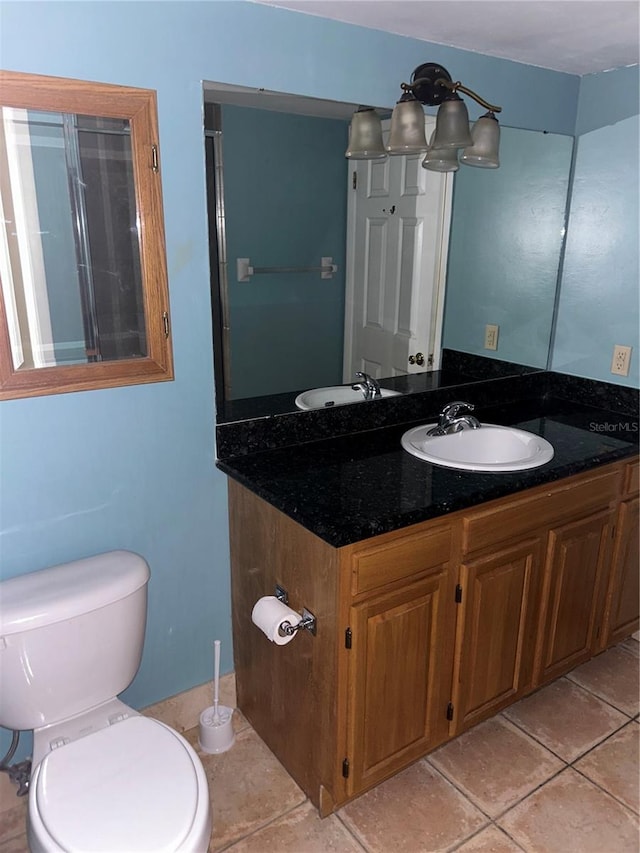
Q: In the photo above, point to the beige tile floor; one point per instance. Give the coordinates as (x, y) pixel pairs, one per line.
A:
(557, 772)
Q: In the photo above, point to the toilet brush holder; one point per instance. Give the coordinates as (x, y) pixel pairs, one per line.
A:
(216, 730)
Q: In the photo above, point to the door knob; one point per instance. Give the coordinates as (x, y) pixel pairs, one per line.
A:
(418, 359)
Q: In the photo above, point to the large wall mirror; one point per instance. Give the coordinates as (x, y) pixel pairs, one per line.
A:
(281, 202)
(82, 256)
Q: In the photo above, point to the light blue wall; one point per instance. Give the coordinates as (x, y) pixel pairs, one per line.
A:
(134, 467)
(607, 98)
(285, 187)
(507, 231)
(598, 304)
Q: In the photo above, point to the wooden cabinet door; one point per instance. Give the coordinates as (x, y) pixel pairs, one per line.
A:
(577, 558)
(496, 631)
(623, 598)
(400, 678)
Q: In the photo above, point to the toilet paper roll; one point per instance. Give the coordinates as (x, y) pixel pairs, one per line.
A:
(269, 613)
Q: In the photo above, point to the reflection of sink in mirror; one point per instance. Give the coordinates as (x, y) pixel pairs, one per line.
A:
(335, 395)
(490, 448)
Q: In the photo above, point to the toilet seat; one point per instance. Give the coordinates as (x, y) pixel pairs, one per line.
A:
(134, 786)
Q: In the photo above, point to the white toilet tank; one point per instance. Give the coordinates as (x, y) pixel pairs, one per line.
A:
(71, 637)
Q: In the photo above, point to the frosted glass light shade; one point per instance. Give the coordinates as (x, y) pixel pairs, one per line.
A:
(440, 159)
(406, 135)
(365, 137)
(452, 125)
(486, 142)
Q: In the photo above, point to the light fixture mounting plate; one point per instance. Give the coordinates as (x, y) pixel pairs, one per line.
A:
(424, 84)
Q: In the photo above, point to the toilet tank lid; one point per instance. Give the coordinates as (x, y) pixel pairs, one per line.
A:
(70, 589)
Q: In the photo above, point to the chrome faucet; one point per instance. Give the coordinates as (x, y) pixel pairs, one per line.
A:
(450, 421)
(368, 385)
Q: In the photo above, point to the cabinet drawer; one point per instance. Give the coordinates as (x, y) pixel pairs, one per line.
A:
(400, 558)
(521, 516)
(632, 479)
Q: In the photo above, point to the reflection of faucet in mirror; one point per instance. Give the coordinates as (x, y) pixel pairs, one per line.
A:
(368, 385)
(449, 421)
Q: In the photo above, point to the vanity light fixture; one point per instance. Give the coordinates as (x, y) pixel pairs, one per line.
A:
(440, 159)
(431, 84)
(365, 136)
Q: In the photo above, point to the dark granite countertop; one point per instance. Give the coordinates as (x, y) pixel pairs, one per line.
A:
(353, 487)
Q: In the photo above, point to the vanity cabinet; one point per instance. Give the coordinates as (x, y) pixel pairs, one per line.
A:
(499, 596)
(425, 631)
(530, 590)
(400, 642)
(579, 553)
(623, 593)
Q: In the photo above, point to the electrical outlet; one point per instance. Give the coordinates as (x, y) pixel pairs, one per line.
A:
(491, 336)
(621, 359)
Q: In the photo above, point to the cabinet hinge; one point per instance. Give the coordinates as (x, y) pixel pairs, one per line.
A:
(345, 768)
(458, 593)
(348, 637)
(165, 323)
(449, 711)
(154, 158)
(354, 180)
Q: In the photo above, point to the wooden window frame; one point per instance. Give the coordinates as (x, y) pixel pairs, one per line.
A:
(139, 107)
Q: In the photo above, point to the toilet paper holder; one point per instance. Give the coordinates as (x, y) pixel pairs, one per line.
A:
(307, 619)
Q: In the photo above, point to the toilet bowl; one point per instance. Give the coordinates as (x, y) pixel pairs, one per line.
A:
(105, 779)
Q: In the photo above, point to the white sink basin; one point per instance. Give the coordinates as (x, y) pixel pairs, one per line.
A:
(490, 448)
(335, 395)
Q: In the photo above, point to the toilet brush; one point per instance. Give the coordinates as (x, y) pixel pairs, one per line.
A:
(216, 682)
(216, 722)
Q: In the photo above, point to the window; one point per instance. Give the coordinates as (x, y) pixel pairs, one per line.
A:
(82, 256)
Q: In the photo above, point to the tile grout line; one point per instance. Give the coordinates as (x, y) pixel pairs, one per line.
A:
(498, 716)
(456, 785)
(601, 743)
(353, 834)
(257, 829)
(521, 727)
(569, 762)
(515, 803)
(607, 792)
(482, 829)
(600, 697)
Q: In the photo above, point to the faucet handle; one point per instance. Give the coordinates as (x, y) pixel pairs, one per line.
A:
(452, 409)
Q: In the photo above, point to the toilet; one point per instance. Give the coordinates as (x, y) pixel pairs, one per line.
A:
(104, 778)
